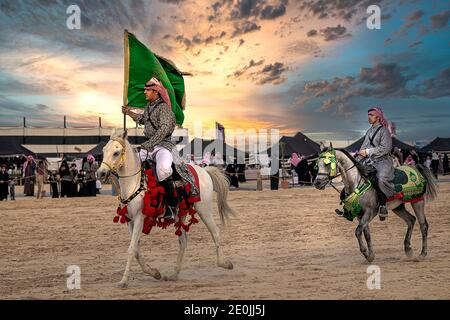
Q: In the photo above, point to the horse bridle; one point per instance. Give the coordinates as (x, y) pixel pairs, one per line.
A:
(113, 170)
(330, 158)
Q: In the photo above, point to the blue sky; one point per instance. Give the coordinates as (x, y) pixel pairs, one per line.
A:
(312, 66)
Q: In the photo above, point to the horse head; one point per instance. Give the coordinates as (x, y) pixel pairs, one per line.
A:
(326, 166)
(113, 154)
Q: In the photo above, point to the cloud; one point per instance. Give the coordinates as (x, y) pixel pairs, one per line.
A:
(334, 33)
(311, 33)
(198, 40)
(243, 70)
(415, 44)
(436, 87)
(415, 15)
(440, 20)
(245, 27)
(273, 12)
(383, 80)
(271, 73)
(335, 9)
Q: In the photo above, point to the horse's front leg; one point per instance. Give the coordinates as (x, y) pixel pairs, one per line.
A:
(360, 229)
(132, 249)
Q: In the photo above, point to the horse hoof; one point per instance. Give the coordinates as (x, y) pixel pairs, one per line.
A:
(409, 252)
(370, 258)
(121, 285)
(157, 275)
(173, 277)
(228, 265)
(422, 256)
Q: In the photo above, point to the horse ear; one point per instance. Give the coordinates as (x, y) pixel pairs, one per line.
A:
(125, 134)
(322, 146)
(331, 145)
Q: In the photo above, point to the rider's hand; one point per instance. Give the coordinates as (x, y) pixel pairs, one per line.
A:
(363, 153)
(125, 109)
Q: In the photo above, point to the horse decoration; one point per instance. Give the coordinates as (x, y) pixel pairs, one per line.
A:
(413, 185)
(142, 203)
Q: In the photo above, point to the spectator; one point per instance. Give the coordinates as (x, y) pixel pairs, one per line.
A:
(434, 164)
(427, 162)
(54, 184)
(445, 164)
(4, 181)
(41, 177)
(64, 173)
(29, 168)
(410, 161)
(73, 180)
(90, 167)
(12, 188)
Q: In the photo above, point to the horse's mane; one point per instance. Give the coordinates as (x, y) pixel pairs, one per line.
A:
(365, 171)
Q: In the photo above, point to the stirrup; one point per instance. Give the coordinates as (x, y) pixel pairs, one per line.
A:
(170, 213)
(340, 213)
(382, 213)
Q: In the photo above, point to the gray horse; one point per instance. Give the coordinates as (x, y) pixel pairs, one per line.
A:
(338, 162)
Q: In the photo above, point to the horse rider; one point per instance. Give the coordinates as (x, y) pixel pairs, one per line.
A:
(375, 151)
(159, 121)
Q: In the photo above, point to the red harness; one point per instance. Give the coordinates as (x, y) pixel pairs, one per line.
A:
(154, 206)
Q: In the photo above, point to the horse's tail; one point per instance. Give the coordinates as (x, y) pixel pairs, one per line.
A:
(220, 185)
(432, 187)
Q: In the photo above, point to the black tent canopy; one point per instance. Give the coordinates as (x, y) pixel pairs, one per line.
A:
(438, 144)
(298, 143)
(198, 147)
(9, 149)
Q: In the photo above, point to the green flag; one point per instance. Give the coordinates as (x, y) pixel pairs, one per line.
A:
(140, 66)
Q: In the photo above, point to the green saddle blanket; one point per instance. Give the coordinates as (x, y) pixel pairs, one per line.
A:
(409, 183)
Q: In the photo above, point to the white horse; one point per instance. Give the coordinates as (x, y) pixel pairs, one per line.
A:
(120, 158)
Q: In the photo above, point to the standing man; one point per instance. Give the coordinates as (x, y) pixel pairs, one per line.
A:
(4, 181)
(90, 167)
(41, 177)
(375, 151)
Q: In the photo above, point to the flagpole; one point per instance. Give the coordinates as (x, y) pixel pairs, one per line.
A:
(126, 59)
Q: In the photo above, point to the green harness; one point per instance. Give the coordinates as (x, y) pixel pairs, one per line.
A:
(352, 207)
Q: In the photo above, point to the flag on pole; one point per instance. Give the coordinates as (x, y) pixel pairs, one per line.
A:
(141, 64)
(220, 131)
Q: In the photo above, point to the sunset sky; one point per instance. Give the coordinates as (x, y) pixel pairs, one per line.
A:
(310, 66)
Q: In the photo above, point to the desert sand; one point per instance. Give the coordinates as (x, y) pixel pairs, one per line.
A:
(285, 244)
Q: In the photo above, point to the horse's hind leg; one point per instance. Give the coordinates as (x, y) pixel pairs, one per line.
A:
(145, 267)
(205, 213)
(410, 220)
(183, 244)
(419, 210)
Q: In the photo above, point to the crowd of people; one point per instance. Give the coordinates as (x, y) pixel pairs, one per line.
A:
(67, 181)
(437, 162)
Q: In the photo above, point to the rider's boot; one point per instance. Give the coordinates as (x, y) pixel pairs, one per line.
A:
(171, 199)
(382, 210)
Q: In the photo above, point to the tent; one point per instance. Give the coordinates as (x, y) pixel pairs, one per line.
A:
(198, 147)
(298, 143)
(395, 143)
(10, 149)
(438, 144)
(98, 149)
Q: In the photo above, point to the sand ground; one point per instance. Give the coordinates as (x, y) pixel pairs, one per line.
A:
(285, 244)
